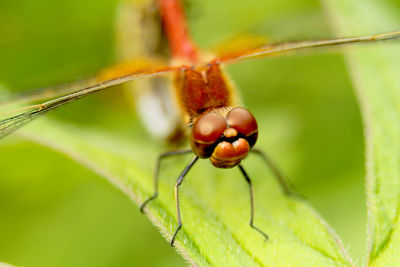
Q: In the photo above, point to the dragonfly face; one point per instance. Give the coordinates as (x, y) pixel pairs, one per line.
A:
(220, 130)
(224, 136)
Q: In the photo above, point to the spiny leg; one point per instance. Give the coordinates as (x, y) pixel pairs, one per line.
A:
(252, 203)
(275, 170)
(157, 170)
(178, 183)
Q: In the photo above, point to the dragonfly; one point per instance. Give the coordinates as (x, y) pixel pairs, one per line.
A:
(219, 128)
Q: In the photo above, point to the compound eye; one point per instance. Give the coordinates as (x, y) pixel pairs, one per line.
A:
(244, 122)
(205, 132)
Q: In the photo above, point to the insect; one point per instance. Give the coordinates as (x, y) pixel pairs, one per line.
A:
(220, 130)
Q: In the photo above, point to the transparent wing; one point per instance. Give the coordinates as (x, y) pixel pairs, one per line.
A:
(291, 46)
(15, 119)
(237, 44)
(108, 73)
(42, 94)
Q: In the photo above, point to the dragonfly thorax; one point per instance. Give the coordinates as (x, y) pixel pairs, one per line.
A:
(226, 140)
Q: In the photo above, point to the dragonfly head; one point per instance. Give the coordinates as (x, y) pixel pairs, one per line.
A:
(226, 140)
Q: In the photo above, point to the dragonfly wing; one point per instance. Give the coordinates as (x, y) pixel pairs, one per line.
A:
(43, 94)
(108, 73)
(20, 117)
(292, 46)
(12, 123)
(238, 44)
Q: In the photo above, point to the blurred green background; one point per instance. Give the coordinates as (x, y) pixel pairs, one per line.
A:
(54, 212)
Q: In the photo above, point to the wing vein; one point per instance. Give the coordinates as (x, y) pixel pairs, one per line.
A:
(290, 46)
(13, 122)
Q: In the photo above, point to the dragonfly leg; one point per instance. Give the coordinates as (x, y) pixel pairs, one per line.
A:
(178, 183)
(252, 203)
(157, 171)
(276, 172)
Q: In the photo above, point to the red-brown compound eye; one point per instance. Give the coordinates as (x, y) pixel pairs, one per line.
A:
(244, 122)
(205, 132)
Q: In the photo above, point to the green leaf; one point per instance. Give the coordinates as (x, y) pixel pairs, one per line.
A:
(215, 203)
(298, 121)
(3, 264)
(375, 72)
